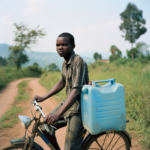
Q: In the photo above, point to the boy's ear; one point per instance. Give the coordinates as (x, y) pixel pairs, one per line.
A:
(73, 46)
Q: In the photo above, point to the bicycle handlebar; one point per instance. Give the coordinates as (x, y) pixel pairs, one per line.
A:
(37, 107)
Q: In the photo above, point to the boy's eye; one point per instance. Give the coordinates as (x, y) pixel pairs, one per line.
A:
(64, 44)
(57, 45)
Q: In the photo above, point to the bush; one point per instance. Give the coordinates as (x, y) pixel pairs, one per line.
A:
(121, 61)
(35, 68)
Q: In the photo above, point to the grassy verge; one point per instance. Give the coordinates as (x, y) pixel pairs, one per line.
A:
(8, 74)
(49, 80)
(137, 93)
(9, 119)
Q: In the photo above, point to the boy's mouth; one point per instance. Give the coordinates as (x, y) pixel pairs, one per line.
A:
(60, 52)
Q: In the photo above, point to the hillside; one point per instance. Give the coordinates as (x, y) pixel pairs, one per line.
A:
(42, 58)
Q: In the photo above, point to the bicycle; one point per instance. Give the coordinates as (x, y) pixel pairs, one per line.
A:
(109, 140)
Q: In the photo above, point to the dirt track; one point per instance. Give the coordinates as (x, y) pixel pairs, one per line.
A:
(7, 98)
(17, 131)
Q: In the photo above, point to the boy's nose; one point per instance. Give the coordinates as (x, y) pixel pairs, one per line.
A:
(60, 46)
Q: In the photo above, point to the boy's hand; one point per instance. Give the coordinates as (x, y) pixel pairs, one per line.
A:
(89, 83)
(39, 98)
(51, 118)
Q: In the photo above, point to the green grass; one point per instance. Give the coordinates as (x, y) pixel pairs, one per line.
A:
(49, 79)
(8, 74)
(137, 92)
(22, 94)
(10, 118)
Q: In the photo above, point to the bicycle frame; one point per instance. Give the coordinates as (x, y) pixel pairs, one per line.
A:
(29, 141)
(46, 140)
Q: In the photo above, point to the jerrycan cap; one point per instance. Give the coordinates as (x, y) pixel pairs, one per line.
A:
(111, 81)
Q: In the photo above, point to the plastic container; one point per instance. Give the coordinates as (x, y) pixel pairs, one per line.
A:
(103, 107)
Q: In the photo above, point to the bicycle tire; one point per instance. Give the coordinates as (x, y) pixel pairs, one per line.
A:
(108, 141)
(17, 147)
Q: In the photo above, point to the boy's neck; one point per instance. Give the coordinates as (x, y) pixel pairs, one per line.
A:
(67, 58)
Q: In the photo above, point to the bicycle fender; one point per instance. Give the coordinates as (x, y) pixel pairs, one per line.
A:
(22, 141)
(87, 138)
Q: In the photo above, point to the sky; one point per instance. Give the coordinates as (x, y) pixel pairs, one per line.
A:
(94, 23)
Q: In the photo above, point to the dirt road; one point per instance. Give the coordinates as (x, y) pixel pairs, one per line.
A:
(17, 131)
(7, 98)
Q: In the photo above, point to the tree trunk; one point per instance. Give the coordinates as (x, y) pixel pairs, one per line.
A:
(132, 51)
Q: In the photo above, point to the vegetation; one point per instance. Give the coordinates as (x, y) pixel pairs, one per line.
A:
(3, 61)
(49, 79)
(136, 82)
(97, 56)
(9, 119)
(115, 53)
(22, 93)
(9, 74)
(133, 24)
(24, 39)
(53, 67)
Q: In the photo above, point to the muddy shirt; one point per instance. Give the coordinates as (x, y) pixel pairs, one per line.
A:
(74, 74)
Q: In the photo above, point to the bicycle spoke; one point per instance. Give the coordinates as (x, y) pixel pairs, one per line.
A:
(97, 142)
(110, 141)
(115, 143)
(121, 146)
(104, 140)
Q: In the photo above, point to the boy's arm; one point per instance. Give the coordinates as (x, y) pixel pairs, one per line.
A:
(51, 118)
(58, 87)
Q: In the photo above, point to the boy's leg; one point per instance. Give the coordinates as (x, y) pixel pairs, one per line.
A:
(74, 131)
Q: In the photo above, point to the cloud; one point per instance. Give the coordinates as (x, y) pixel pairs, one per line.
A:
(34, 7)
(6, 20)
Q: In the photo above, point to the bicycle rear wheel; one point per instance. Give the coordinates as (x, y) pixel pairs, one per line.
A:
(108, 141)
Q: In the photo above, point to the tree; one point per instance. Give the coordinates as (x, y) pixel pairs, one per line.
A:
(35, 64)
(133, 24)
(95, 56)
(115, 53)
(53, 67)
(3, 61)
(25, 37)
(99, 56)
(140, 50)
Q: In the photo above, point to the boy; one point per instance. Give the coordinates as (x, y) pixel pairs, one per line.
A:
(74, 76)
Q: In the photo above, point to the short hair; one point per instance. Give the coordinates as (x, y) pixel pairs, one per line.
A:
(70, 36)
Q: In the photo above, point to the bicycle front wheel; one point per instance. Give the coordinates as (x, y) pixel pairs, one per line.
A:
(17, 147)
(108, 141)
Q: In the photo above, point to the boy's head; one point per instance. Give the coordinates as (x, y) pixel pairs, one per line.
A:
(69, 36)
(65, 44)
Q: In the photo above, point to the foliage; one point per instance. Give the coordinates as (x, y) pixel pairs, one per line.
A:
(35, 68)
(53, 67)
(140, 51)
(36, 64)
(97, 56)
(115, 53)
(25, 37)
(9, 74)
(133, 23)
(49, 79)
(3, 61)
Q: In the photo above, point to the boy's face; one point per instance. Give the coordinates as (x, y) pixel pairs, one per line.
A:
(63, 46)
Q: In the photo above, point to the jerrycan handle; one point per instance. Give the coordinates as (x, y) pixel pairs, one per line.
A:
(111, 81)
